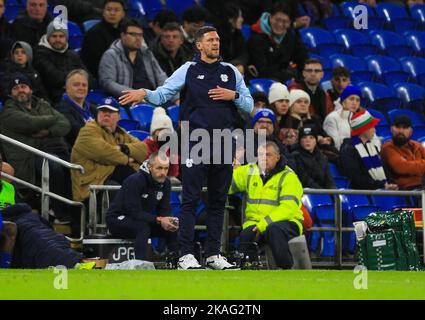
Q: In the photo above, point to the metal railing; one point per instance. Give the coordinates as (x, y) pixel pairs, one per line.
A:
(45, 185)
(96, 227)
(99, 228)
(339, 229)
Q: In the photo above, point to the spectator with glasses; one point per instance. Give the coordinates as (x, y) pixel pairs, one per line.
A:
(320, 102)
(126, 65)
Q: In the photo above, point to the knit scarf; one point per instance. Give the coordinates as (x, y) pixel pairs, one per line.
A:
(84, 112)
(370, 157)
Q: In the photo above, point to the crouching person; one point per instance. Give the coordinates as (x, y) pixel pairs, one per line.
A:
(273, 203)
(141, 208)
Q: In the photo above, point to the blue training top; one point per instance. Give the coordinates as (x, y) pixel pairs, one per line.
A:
(194, 79)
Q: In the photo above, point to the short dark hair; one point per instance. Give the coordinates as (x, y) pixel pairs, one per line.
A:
(130, 23)
(172, 26)
(283, 8)
(165, 16)
(339, 72)
(118, 1)
(195, 14)
(313, 61)
(200, 33)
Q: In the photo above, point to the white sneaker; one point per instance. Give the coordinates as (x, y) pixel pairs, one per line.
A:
(219, 262)
(188, 262)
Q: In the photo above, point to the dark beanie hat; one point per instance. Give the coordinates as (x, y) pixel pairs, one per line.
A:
(18, 78)
(307, 130)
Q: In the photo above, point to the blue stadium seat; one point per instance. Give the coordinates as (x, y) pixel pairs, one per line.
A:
(321, 209)
(379, 115)
(75, 35)
(417, 12)
(412, 95)
(143, 113)
(149, 8)
(416, 39)
(90, 24)
(387, 69)
(416, 67)
(373, 22)
(246, 31)
(12, 11)
(416, 118)
(129, 124)
(96, 96)
(357, 66)
(179, 6)
(334, 169)
(260, 84)
(396, 16)
(124, 114)
(139, 134)
(341, 182)
(174, 113)
(389, 203)
(1, 106)
(385, 139)
(379, 96)
(418, 132)
(357, 43)
(337, 22)
(391, 43)
(383, 131)
(320, 41)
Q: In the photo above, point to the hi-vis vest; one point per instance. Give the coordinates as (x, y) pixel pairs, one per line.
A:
(278, 200)
(7, 195)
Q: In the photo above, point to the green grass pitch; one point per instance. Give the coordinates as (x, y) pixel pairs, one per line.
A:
(210, 285)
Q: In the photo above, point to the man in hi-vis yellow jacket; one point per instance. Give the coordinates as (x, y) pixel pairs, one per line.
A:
(273, 203)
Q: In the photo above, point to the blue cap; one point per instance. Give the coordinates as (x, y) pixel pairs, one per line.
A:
(263, 113)
(349, 91)
(109, 103)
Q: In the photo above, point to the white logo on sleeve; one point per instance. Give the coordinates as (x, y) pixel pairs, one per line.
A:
(144, 196)
(224, 77)
(200, 77)
(121, 218)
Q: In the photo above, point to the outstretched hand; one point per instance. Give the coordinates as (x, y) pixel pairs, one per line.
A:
(220, 93)
(132, 97)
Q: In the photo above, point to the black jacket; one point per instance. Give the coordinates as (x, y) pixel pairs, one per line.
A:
(233, 47)
(74, 118)
(167, 63)
(141, 198)
(9, 68)
(313, 169)
(96, 41)
(26, 29)
(6, 37)
(355, 170)
(53, 68)
(272, 60)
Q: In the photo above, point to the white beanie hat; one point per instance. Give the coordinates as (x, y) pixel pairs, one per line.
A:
(160, 120)
(278, 91)
(296, 94)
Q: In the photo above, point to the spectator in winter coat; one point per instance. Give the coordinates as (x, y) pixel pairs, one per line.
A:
(275, 49)
(74, 105)
(20, 61)
(161, 126)
(127, 65)
(31, 25)
(106, 151)
(193, 19)
(312, 166)
(54, 60)
(360, 158)
(404, 157)
(321, 103)
(142, 209)
(169, 51)
(99, 38)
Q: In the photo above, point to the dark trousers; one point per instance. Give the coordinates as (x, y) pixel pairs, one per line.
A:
(141, 231)
(218, 178)
(277, 236)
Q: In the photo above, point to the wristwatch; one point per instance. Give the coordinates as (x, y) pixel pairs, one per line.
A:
(236, 95)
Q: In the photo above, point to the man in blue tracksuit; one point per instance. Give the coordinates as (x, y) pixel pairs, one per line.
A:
(210, 91)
